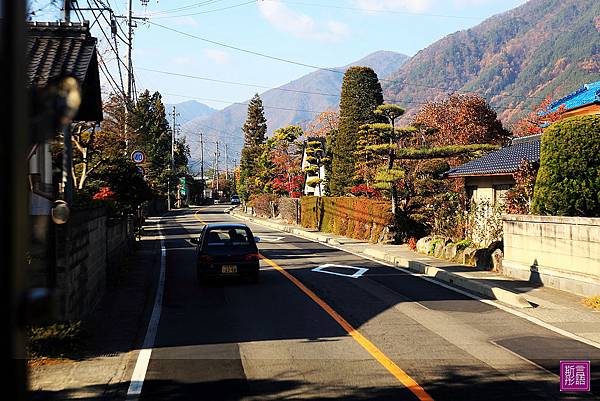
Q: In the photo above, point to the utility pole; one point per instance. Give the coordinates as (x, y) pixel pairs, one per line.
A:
(129, 49)
(202, 163)
(174, 114)
(226, 164)
(217, 166)
(67, 11)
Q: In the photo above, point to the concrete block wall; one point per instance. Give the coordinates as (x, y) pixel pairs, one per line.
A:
(89, 249)
(560, 252)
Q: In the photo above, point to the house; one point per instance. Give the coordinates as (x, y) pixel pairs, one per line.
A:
(584, 101)
(55, 51)
(488, 178)
(63, 80)
(313, 167)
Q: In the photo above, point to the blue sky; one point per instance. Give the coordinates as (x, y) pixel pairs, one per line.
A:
(326, 33)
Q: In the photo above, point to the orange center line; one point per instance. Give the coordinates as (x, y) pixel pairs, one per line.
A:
(383, 359)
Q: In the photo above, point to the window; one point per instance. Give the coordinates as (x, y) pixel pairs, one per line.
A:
(227, 236)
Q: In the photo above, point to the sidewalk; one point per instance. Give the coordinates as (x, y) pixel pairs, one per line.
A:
(560, 309)
(115, 330)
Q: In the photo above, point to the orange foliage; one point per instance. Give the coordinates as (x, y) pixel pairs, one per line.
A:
(533, 123)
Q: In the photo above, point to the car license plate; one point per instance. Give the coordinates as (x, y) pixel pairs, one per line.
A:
(229, 269)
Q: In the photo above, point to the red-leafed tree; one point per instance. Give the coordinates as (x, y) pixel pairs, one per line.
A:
(535, 122)
(461, 119)
(280, 162)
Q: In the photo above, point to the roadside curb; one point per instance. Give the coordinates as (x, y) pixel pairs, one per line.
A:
(480, 289)
(491, 292)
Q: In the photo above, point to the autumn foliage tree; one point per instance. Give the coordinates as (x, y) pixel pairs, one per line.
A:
(281, 161)
(535, 122)
(461, 119)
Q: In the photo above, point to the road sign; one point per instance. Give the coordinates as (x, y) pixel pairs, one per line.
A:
(138, 156)
(140, 170)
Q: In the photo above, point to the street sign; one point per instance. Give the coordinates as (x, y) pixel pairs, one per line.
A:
(140, 170)
(138, 156)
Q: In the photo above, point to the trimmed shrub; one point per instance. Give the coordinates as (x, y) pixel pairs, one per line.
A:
(264, 205)
(288, 207)
(568, 181)
(359, 218)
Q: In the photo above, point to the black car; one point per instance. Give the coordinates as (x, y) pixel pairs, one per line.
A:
(227, 250)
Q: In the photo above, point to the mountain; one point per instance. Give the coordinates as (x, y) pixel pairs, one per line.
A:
(514, 59)
(297, 102)
(190, 110)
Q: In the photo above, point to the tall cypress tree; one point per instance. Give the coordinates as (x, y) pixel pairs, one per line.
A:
(255, 132)
(361, 94)
(153, 135)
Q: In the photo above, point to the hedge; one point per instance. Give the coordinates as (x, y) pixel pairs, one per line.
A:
(568, 180)
(360, 218)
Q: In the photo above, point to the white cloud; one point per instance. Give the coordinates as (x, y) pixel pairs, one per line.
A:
(300, 25)
(415, 6)
(217, 56)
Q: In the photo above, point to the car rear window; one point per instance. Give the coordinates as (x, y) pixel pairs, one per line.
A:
(227, 236)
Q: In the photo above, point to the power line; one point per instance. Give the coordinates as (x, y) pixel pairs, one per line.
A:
(237, 83)
(288, 61)
(189, 6)
(204, 12)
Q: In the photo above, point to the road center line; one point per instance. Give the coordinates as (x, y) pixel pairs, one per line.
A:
(143, 359)
(383, 359)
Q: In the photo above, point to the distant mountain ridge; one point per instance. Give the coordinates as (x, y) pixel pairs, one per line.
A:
(288, 104)
(514, 59)
(190, 110)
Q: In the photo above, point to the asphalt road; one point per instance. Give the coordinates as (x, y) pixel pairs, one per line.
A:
(233, 340)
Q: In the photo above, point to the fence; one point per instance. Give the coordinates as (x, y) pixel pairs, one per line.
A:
(559, 252)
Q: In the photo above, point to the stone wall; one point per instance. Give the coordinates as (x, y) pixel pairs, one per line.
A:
(88, 249)
(559, 252)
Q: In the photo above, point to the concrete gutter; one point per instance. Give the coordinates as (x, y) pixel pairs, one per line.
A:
(420, 267)
(455, 279)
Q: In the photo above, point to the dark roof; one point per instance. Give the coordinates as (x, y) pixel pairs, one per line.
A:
(587, 94)
(58, 50)
(503, 161)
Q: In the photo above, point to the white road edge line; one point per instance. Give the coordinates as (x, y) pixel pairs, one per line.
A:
(143, 359)
(522, 315)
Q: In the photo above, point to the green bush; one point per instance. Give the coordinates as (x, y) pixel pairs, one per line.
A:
(568, 181)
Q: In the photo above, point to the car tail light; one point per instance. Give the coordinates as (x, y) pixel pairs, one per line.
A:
(251, 257)
(205, 258)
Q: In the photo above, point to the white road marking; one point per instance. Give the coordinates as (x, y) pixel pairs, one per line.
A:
(520, 314)
(359, 270)
(270, 238)
(143, 359)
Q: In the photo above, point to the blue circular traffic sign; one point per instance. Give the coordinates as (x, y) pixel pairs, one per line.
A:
(138, 156)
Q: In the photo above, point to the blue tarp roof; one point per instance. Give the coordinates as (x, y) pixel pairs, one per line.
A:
(587, 94)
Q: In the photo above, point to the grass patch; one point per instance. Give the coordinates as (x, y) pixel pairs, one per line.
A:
(464, 244)
(593, 302)
(56, 341)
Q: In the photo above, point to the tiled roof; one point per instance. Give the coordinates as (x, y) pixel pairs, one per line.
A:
(503, 161)
(587, 94)
(61, 49)
(57, 50)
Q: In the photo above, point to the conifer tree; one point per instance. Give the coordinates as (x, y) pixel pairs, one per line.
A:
(361, 94)
(255, 132)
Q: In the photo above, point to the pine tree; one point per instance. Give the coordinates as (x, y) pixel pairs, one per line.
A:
(361, 94)
(255, 132)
